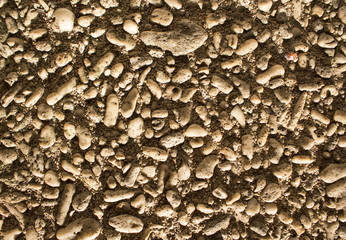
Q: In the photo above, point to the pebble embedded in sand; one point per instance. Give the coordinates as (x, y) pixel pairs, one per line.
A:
(247, 47)
(333, 172)
(8, 156)
(195, 130)
(63, 20)
(161, 16)
(205, 169)
(130, 26)
(126, 223)
(265, 5)
(135, 128)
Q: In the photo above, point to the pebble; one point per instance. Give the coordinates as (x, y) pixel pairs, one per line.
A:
(173, 198)
(274, 71)
(154, 88)
(221, 84)
(129, 103)
(84, 228)
(47, 136)
(84, 137)
(220, 193)
(283, 171)
(333, 172)
(195, 130)
(155, 153)
(100, 66)
(342, 14)
(63, 20)
(182, 76)
(184, 172)
(8, 156)
(65, 202)
(326, 41)
(164, 211)
(270, 208)
(62, 91)
(247, 47)
(161, 16)
(51, 179)
(81, 201)
(126, 42)
(172, 140)
(216, 224)
(130, 26)
(214, 19)
(184, 39)
(69, 130)
(247, 146)
(253, 207)
(340, 116)
(135, 127)
(174, 4)
(337, 189)
(111, 196)
(63, 58)
(112, 110)
(205, 169)
(285, 217)
(265, 5)
(271, 192)
(302, 159)
(238, 114)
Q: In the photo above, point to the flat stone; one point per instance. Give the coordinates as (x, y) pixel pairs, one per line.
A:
(126, 223)
(185, 38)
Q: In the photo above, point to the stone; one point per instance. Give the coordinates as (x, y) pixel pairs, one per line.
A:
(8, 156)
(195, 130)
(271, 192)
(205, 169)
(161, 16)
(63, 20)
(216, 224)
(333, 172)
(185, 38)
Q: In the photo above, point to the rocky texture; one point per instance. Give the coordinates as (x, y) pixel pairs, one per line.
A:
(172, 119)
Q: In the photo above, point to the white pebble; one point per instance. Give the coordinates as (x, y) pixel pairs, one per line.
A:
(174, 4)
(247, 47)
(221, 84)
(129, 103)
(238, 114)
(195, 130)
(130, 26)
(8, 156)
(274, 71)
(205, 169)
(253, 207)
(265, 5)
(126, 223)
(111, 196)
(302, 159)
(161, 16)
(112, 110)
(51, 179)
(135, 127)
(155, 153)
(63, 20)
(47, 137)
(333, 172)
(271, 192)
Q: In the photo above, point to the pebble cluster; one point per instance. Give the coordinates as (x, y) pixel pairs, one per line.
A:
(172, 119)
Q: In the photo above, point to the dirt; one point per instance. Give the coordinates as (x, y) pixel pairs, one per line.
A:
(226, 144)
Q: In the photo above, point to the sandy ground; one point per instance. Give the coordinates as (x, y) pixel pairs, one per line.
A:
(172, 119)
